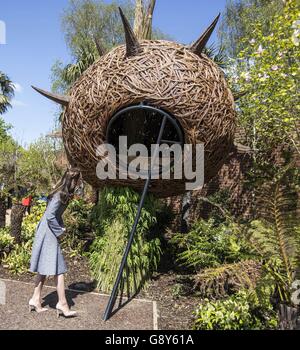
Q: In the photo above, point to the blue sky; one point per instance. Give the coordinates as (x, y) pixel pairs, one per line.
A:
(34, 41)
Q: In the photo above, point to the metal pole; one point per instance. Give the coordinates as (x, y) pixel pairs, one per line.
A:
(114, 293)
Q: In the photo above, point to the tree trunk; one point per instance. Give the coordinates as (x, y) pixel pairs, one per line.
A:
(143, 19)
(139, 18)
(143, 29)
(17, 214)
(2, 212)
(287, 317)
(147, 32)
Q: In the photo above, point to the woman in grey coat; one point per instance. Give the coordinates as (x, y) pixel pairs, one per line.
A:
(47, 258)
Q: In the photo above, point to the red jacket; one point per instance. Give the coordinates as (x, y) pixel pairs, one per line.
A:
(27, 201)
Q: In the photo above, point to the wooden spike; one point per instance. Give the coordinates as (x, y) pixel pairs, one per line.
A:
(133, 47)
(200, 44)
(62, 100)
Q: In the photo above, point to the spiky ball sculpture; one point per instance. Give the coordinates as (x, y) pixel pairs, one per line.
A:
(177, 79)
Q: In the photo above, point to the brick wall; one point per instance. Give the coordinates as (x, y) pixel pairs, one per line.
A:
(230, 179)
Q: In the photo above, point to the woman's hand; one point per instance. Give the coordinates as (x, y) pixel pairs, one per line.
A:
(61, 237)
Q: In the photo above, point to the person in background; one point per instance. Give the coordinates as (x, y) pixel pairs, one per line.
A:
(47, 258)
(26, 202)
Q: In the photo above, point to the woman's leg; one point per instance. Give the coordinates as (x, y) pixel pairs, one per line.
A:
(62, 306)
(37, 294)
(60, 286)
(36, 299)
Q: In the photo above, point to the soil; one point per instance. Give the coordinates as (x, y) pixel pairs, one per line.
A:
(175, 311)
(170, 288)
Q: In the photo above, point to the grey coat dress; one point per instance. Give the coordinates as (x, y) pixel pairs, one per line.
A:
(47, 258)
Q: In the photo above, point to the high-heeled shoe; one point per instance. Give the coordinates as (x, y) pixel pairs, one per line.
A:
(33, 307)
(66, 314)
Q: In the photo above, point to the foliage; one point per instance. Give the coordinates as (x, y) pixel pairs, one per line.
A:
(6, 92)
(6, 240)
(17, 256)
(4, 128)
(31, 221)
(227, 279)
(17, 261)
(85, 19)
(210, 245)
(280, 260)
(9, 153)
(241, 311)
(217, 55)
(268, 69)
(37, 166)
(77, 222)
(33, 168)
(113, 220)
(217, 205)
(238, 18)
(82, 22)
(177, 290)
(275, 238)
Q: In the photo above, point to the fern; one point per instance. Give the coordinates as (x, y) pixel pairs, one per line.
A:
(274, 238)
(209, 245)
(227, 279)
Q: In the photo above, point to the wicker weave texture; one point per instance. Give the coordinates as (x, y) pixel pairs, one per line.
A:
(165, 75)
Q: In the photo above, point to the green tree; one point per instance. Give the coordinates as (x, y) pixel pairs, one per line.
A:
(272, 79)
(6, 92)
(7, 153)
(8, 159)
(4, 128)
(267, 67)
(238, 18)
(37, 166)
(83, 23)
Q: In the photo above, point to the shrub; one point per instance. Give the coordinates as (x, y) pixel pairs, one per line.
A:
(241, 311)
(228, 279)
(31, 221)
(275, 239)
(17, 261)
(77, 219)
(112, 220)
(17, 256)
(210, 245)
(6, 240)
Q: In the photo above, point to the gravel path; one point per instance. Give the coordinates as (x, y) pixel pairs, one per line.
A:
(14, 314)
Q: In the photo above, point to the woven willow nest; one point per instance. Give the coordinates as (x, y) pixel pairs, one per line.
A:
(165, 75)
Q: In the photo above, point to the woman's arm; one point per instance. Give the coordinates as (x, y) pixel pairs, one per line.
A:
(52, 221)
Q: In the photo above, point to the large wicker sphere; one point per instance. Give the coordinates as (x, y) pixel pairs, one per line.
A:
(165, 75)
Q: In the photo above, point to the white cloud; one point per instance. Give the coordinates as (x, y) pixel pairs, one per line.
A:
(18, 88)
(18, 103)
